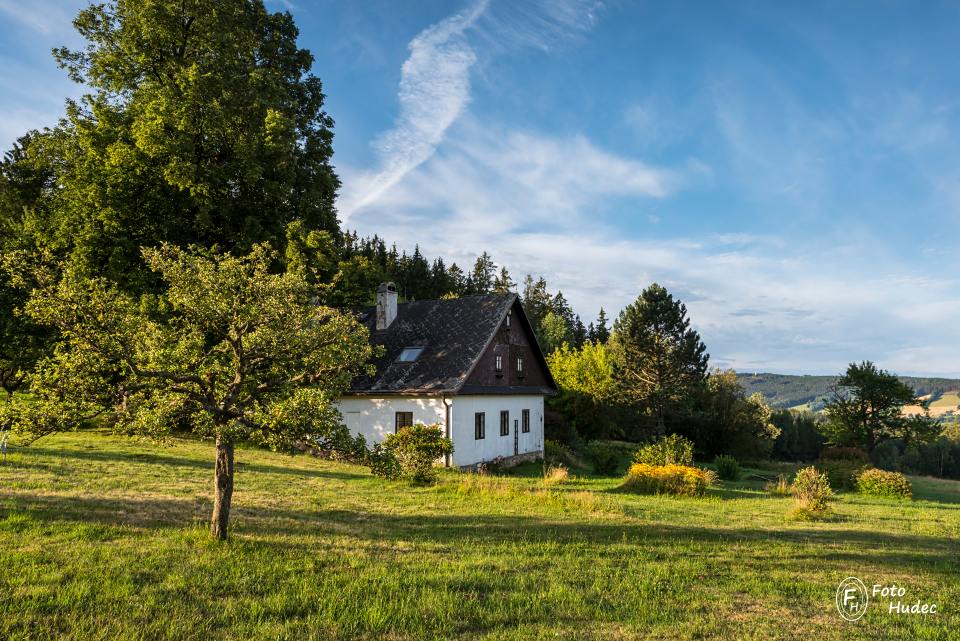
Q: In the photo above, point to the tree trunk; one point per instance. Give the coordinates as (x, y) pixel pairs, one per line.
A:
(222, 489)
(661, 422)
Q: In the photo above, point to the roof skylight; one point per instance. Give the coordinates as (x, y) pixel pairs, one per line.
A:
(409, 354)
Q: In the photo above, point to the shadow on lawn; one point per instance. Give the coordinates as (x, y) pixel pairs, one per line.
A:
(150, 458)
(850, 546)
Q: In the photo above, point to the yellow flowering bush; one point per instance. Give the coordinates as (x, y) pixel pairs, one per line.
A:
(681, 480)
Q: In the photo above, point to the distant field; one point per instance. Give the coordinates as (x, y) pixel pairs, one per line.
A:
(940, 404)
(947, 401)
(106, 538)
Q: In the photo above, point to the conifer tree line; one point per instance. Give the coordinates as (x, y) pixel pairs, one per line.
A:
(417, 277)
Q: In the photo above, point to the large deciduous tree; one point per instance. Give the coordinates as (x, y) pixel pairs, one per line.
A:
(659, 359)
(867, 407)
(585, 379)
(235, 352)
(201, 124)
(22, 180)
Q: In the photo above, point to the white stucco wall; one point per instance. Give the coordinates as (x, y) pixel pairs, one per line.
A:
(376, 417)
(467, 450)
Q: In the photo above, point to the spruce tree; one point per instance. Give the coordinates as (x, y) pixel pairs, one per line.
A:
(481, 279)
(601, 333)
(503, 283)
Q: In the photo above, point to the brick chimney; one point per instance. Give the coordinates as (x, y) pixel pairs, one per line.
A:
(386, 305)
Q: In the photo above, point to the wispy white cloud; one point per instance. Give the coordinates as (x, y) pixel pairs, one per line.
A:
(434, 89)
(435, 81)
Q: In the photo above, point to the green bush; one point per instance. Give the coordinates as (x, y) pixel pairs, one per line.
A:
(416, 449)
(557, 453)
(727, 467)
(680, 480)
(811, 490)
(604, 458)
(842, 472)
(888, 485)
(669, 450)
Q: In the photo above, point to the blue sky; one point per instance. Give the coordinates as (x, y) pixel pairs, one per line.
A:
(790, 170)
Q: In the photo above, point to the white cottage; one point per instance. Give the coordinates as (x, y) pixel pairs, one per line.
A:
(471, 365)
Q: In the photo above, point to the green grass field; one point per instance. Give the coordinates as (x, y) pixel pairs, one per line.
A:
(106, 538)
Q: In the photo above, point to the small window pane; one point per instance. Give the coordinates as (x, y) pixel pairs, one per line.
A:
(504, 423)
(499, 363)
(403, 419)
(519, 365)
(479, 425)
(409, 354)
(525, 415)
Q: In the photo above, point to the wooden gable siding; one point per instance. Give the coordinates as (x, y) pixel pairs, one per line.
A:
(510, 342)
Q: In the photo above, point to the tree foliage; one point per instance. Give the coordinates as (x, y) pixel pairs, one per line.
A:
(585, 379)
(739, 425)
(659, 360)
(235, 353)
(201, 124)
(867, 408)
(800, 438)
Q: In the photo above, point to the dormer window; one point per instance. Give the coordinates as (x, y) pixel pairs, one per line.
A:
(409, 354)
(498, 364)
(520, 366)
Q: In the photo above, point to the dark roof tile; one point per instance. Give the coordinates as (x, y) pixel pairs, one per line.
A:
(454, 333)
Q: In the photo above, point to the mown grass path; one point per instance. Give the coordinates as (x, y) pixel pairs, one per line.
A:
(102, 537)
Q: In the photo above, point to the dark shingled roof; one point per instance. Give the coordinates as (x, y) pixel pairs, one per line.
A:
(454, 334)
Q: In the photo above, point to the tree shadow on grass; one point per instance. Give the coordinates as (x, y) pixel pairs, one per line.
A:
(302, 529)
(149, 458)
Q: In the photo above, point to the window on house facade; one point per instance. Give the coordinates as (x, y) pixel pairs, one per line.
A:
(504, 423)
(498, 364)
(409, 354)
(508, 320)
(520, 366)
(479, 425)
(525, 420)
(403, 419)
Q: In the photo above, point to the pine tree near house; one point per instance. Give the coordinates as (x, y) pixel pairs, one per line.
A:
(579, 332)
(482, 276)
(457, 280)
(503, 284)
(600, 333)
(659, 360)
(536, 300)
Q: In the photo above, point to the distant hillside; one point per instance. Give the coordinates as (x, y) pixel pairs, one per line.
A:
(811, 392)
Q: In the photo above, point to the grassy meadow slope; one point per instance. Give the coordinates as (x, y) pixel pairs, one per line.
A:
(106, 538)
